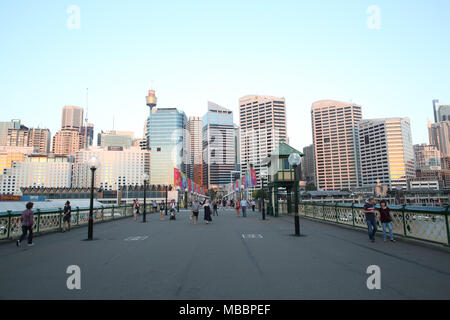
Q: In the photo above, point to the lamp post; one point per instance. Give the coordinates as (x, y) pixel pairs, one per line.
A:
(294, 160)
(94, 164)
(146, 177)
(166, 200)
(263, 209)
(178, 198)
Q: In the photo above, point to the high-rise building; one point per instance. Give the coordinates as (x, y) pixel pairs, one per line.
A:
(334, 127)
(308, 164)
(87, 135)
(166, 131)
(4, 127)
(195, 168)
(439, 135)
(118, 167)
(67, 142)
(427, 157)
(72, 118)
(386, 152)
(25, 137)
(36, 171)
(441, 112)
(113, 138)
(262, 128)
(217, 146)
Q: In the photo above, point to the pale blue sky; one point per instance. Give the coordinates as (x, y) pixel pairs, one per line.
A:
(196, 51)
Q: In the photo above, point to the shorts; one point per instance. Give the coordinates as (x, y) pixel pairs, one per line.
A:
(195, 214)
(66, 219)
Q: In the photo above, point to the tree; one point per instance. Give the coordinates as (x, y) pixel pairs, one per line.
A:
(311, 187)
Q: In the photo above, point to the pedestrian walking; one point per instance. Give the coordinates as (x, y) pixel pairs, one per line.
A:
(253, 203)
(136, 209)
(237, 207)
(195, 210)
(244, 207)
(207, 209)
(67, 216)
(172, 209)
(154, 206)
(27, 225)
(214, 204)
(386, 220)
(369, 210)
(161, 210)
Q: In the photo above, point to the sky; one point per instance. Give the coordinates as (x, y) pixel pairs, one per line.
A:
(390, 57)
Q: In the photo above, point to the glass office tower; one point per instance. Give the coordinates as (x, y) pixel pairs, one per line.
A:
(166, 133)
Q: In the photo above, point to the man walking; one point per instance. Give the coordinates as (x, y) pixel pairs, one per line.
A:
(195, 210)
(215, 208)
(244, 207)
(369, 210)
(27, 224)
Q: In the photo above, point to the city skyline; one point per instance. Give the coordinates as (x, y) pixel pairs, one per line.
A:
(381, 67)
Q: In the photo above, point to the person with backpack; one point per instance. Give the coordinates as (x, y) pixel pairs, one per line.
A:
(369, 210)
(136, 208)
(195, 210)
(385, 217)
(27, 225)
(67, 216)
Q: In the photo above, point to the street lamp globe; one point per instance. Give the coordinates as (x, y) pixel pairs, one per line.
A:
(146, 177)
(294, 159)
(94, 163)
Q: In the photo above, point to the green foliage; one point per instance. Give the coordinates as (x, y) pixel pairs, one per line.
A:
(311, 187)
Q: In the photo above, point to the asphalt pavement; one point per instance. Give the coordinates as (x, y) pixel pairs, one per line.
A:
(232, 258)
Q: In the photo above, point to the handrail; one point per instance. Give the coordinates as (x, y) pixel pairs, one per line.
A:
(51, 220)
(431, 224)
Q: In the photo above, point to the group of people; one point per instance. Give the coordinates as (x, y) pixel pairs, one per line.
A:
(162, 209)
(373, 216)
(383, 215)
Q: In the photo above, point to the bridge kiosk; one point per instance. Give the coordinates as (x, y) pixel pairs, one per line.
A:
(280, 178)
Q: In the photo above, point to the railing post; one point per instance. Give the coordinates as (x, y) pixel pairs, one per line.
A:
(353, 213)
(39, 219)
(60, 217)
(323, 211)
(404, 222)
(78, 216)
(447, 226)
(9, 224)
(112, 212)
(336, 211)
(102, 212)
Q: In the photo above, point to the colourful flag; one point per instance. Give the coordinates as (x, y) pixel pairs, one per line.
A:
(253, 175)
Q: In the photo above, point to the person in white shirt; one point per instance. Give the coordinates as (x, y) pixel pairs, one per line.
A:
(244, 207)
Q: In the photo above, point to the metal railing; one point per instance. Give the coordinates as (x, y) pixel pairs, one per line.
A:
(52, 220)
(422, 223)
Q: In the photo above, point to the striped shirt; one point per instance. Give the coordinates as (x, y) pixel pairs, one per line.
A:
(27, 218)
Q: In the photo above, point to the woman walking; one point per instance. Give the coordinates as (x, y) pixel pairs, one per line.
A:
(136, 208)
(67, 216)
(207, 216)
(161, 210)
(27, 225)
(386, 220)
(238, 207)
